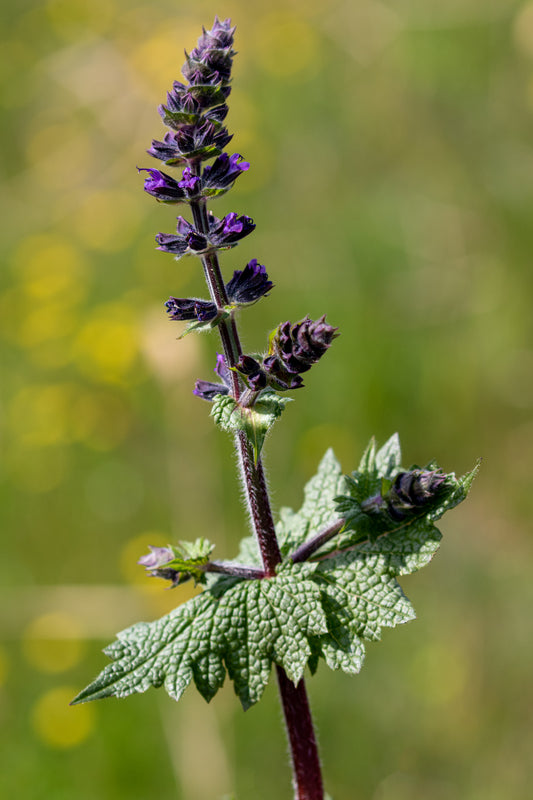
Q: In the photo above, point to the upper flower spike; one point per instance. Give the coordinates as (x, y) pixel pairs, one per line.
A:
(195, 111)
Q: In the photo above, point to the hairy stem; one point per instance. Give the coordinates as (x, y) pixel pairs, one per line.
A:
(304, 752)
(235, 570)
(307, 549)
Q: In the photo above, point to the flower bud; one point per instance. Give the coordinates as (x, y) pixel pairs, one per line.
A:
(412, 491)
(295, 348)
(249, 284)
(187, 309)
(155, 561)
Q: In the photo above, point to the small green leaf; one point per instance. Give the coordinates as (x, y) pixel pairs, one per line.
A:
(190, 557)
(255, 421)
(205, 327)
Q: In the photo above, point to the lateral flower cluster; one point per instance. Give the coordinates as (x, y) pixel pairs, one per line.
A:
(195, 112)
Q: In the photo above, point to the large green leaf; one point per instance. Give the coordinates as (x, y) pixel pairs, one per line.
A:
(323, 608)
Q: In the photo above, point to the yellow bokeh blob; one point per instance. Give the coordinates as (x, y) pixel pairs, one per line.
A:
(59, 725)
(53, 642)
(39, 415)
(59, 156)
(523, 29)
(49, 267)
(39, 472)
(108, 220)
(72, 18)
(159, 57)
(287, 46)
(132, 551)
(100, 420)
(106, 347)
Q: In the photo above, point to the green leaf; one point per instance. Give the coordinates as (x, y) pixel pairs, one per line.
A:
(374, 476)
(325, 608)
(318, 509)
(255, 421)
(189, 559)
(206, 327)
(241, 626)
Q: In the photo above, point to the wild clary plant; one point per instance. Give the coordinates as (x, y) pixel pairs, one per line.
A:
(324, 579)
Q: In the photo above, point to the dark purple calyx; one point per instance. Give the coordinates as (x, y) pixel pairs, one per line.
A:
(207, 390)
(190, 308)
(413, 491)
(294, 349)
(249, 284)
(223, 173)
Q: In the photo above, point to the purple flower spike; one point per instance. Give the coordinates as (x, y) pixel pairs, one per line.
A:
(187, 309)
(249, 284)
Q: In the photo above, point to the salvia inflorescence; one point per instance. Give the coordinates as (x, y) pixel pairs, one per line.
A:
(323, 580)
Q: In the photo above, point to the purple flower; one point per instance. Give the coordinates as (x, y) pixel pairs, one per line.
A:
(189, 181)
(187, 240)
(155, 561)
(223, 233)
(186, 309)
(249, 284)
(294, 349)
(162, 186)
(227, 231)
(254, 375)
(207, 390)
(223, 172)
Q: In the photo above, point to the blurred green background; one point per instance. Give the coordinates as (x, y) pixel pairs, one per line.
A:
(392, 187)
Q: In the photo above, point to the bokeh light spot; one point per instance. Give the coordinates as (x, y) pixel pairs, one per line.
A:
(59, 725)
(71, 19)
(50, 267)
(41, 471)
(287, 46)
(523, 29)
(132, 551)
(158, 58)
(53, 642)
(39, 415)
(106, 347)
(107, 221)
